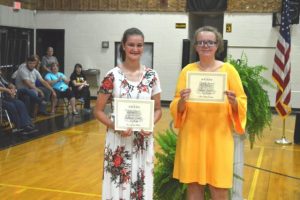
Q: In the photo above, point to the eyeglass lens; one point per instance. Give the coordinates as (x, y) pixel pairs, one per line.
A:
(209, 43)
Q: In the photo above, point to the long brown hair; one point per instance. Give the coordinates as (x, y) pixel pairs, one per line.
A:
(126, 34)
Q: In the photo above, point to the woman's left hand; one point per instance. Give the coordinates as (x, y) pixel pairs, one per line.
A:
(231, 97)
(145, 133)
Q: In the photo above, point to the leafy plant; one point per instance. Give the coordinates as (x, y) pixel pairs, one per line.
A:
(259, 114)
(258, 117)
(165, 186)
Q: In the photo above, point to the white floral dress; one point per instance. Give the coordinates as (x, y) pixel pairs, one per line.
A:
(128, 161)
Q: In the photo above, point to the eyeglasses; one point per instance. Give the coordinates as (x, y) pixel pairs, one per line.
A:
(202, 43)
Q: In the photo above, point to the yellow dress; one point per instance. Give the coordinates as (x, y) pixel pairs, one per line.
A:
(205, 147)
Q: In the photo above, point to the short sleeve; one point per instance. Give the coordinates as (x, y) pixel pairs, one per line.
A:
(107, 84)
(155, 84)
(63, 75)
(48, 77)
(23, 75)
(37, 74)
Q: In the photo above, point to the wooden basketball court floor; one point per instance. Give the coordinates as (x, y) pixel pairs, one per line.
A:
(67, 165)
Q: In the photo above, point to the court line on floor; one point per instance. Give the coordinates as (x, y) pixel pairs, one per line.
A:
(256, 174)
(49, 190)
(274, 147)
(272, 172)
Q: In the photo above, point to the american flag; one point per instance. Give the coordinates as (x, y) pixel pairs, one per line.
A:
(282, 63)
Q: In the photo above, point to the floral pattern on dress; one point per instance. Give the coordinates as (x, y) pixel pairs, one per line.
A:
(107, 84)
(139, 142)
(149, 79)
(118, 164)
(128, 161)
(138, 186)
(127, 89)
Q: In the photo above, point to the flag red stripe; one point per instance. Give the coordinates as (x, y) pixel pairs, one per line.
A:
(282, 66)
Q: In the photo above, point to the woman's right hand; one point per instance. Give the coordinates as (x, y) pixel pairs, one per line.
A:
(184, 95)
(126, 133)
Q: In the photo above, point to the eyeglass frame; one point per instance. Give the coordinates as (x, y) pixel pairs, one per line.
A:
(202, 43)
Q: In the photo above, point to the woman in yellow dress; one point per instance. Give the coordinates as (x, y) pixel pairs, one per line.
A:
(205, 147)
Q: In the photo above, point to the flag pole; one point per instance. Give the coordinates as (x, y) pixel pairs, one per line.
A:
(283, 139)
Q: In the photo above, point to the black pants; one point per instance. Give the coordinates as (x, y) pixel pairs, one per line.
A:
(85, 94)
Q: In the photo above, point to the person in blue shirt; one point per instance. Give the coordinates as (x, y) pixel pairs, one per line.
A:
(60, 83)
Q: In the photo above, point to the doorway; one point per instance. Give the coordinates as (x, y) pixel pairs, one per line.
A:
(16, 44)
(51, 38)
(197, 20)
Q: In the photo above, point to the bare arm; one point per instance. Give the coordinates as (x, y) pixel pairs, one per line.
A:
(76, 84)
(157, 113)
(232, 100)
(4, 89)
(12, 92)
(65, 79)
(29, 84)
(184, 95)
(99, 110)
(47, 85)
(157, 108)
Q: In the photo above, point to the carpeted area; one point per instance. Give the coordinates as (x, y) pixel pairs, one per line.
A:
(44, 127)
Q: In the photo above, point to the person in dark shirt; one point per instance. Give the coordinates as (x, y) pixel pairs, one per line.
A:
(80, 86)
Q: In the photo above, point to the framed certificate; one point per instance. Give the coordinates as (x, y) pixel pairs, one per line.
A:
(207, 87)
(134, 113)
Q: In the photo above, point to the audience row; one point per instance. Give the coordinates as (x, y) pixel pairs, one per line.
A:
(32, 92)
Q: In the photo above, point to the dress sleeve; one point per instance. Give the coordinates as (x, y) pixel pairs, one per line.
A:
(178, 117)
(107, 84)
(235, 84)
(155, 84)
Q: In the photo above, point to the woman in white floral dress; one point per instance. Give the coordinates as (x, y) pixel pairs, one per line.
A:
(128, 156)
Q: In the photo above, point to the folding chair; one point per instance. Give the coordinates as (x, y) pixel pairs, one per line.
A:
(65, 102)
(79, 102)
(4, 113)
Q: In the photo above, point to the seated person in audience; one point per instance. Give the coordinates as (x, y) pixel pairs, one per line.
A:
(38, 84)
(47, 61)
(46, 91)
(26, 78)
(80, 87)
(15, 108)
(60, 84)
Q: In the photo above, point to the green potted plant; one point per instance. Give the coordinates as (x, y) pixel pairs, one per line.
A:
(259, 116)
